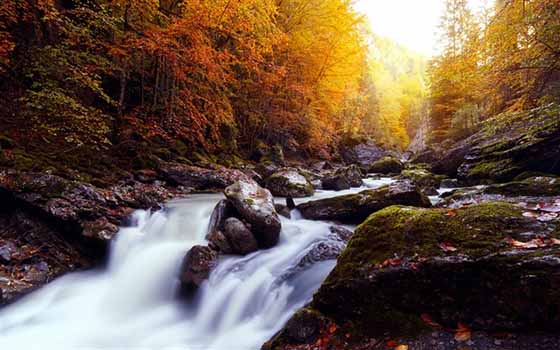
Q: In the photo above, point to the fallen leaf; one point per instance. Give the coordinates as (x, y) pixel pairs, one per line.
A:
(402, 347)
(463, 332)
(332, 329)
(429, 321)
(451, 212)
(532, 244)
(530, 214)
(392, 343)
(446, 247)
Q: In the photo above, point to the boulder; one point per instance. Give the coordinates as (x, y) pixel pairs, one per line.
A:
(341, 233)
(196, 267)
(240, 237)
(343, 178)
(223, 210)
(407, 270)
(199, 178)
(506, 146)
(321, 251)
(289, 182)
(362, 152)
(79, 208)
(354, 208)
(218, 242)
(335, 183)
(255, 205)
(386, 165)
(283, 210)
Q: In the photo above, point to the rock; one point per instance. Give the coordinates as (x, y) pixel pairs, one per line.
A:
(386, 165)
(422, 178)
(335, 183)
(430, 191)
(266, 169)
(81, 208)
(256, 206)
(303, 328)
(450, 183)
(33, 252)
(343, 178)
(536, 189)
(354, 208)
(533, 186)
(196, 267)
(322, 251)
(289, 182)
(341, 233)
(469, 267)
(506, 146)
(240, 237)
(290, 203)
(362, 152)
(199, 178)
(223, 210)
(283, 210)
(218, 242)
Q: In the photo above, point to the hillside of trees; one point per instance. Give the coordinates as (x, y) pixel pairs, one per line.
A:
(504, 59)
(214, 81)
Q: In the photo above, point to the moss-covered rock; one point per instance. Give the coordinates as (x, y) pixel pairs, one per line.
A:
(360, 151)
(424, 179)
(289, 182)
(404, 265)
(355, 208)
(533, 186)
(386, 165)
(506, 146)
(343, 178)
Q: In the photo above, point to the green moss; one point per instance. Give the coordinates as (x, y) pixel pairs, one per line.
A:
(250, 201)
(408, 231)
(387, 165)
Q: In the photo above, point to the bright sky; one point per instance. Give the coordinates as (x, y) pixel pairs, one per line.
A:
(412, 23)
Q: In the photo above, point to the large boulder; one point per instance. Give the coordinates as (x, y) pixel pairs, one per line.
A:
(506, 146)
(199, 178)
(362, 152)
(223, 210)
(240, 237)
(542, 191)
(354, 208)
(424, 179)
(196, 267)
(289, 183)
(80, 208)
(343, 178)
(386, 165)
(408, 272)
(255, 205)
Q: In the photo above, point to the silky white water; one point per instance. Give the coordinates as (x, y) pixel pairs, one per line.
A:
(131, 303)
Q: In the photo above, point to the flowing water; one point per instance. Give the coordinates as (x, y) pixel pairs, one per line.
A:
(131, 303)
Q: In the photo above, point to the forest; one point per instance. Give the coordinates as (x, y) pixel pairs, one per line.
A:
(279, 175)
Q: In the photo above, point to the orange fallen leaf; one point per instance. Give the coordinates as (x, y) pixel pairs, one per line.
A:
(446, 247)
(402, 347)
(392, 343)
(532, 244)
(451, 212)
(463, 332)
(429, 321)
(332, 329)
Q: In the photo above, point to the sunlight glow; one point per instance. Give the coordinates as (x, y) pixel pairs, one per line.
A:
(412, 23)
